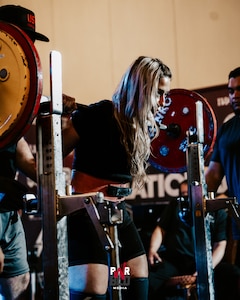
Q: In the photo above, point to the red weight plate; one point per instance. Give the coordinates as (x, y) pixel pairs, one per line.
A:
(179, 115)
(20, 83)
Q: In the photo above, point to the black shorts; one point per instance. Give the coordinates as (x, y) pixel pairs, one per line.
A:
(85, 246)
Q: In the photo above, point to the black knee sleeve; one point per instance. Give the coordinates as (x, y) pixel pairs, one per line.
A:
(86, 296)
(138, 289)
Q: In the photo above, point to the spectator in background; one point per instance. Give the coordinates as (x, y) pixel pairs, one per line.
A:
(225, 160)
(174, 232)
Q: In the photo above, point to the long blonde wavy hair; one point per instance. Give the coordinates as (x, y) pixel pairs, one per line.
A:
(135, 105)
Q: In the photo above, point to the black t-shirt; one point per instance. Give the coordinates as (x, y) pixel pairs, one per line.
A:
(7, 162)
(227, 153)
(100, 152)
(179, 242)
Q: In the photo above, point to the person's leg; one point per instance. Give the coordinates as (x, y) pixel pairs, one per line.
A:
(88, 263)
(88, 278)
(237, 253)
(138, 266)
(227, 282)
(158, 275)
(138, 288)
(15, 276)
(11, 288)
(132, 252)
(86, 296)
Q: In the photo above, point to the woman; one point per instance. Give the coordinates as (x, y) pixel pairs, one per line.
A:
(112, 143)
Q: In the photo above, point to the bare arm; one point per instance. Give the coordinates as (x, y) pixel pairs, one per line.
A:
(1, 260)
(70, 138)
(155, 243)
(218, 252)
(214, 175)
(25, 160)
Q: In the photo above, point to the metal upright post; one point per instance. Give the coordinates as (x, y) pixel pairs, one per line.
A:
(115, 259)
(200, 218)
(51, 184)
